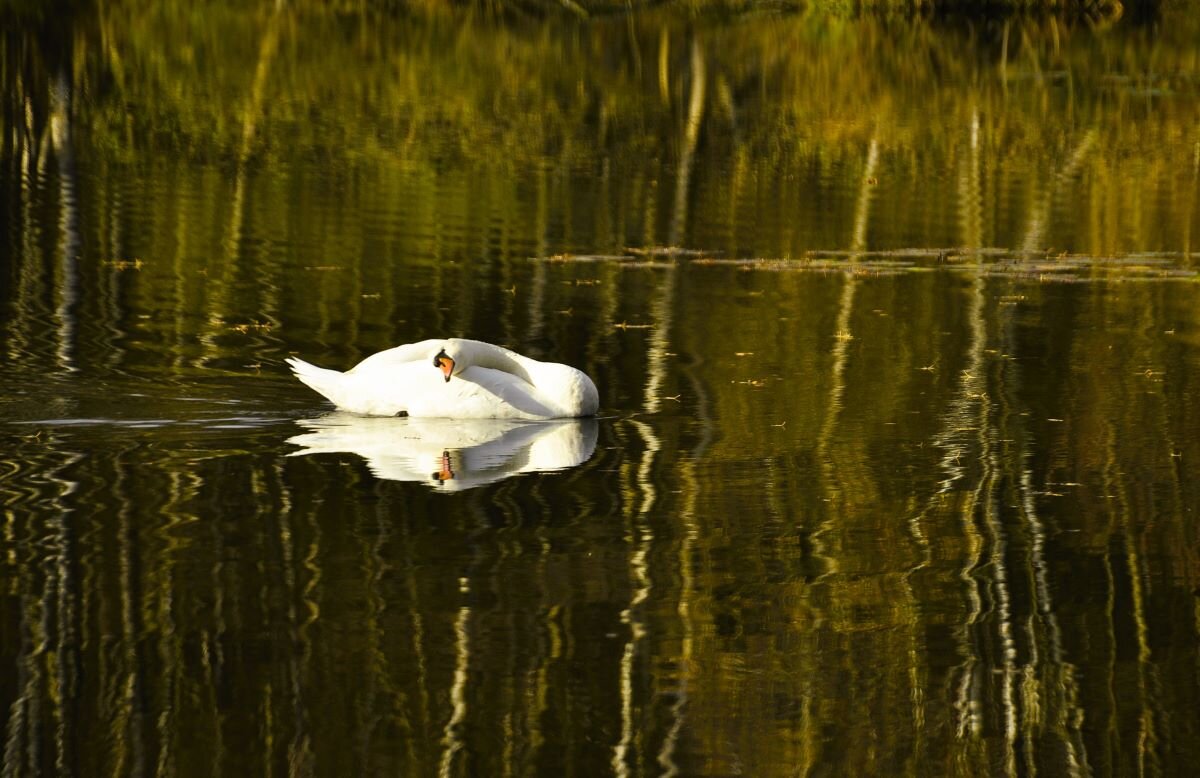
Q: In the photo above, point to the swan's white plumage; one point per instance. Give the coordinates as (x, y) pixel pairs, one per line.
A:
(488, 382)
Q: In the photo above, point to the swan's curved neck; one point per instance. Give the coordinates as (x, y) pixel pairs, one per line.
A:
(473, 352)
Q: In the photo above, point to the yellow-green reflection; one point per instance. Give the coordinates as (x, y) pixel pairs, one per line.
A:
(885, 483)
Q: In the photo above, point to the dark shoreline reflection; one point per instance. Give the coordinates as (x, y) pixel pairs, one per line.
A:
(450, 455)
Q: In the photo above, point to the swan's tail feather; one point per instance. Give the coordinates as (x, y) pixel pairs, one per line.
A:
(322, 381)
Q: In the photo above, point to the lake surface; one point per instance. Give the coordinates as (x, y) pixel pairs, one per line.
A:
(896, 326)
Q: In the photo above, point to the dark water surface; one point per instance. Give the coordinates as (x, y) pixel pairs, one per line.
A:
(898, 465)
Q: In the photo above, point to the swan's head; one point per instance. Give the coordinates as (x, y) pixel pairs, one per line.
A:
(445, 362)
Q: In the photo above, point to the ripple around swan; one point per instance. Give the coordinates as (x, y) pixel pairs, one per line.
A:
(448, 454)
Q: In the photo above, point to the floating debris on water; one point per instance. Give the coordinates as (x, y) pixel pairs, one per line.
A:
(1048, 265)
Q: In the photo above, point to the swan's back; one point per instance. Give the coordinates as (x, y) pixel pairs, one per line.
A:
(568, 390)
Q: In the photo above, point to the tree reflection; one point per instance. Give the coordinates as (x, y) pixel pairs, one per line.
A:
(890, 484)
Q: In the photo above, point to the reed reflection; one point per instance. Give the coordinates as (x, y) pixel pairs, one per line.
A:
(890, 470)
(450, 455)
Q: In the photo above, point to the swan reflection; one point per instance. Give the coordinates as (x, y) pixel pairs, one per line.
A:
(450, 454)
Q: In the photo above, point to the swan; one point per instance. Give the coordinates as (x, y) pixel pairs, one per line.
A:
(450, 455)
(454, 378)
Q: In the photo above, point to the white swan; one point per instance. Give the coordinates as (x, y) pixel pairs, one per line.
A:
(450, 455)
(457, 379)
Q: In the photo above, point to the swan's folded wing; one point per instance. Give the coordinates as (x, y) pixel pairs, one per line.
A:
(421, 351)
(486, 393)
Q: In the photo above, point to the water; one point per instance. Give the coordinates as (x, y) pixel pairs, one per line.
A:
(895, 327)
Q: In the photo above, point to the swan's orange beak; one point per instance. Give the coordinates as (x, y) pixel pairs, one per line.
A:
(447, 366)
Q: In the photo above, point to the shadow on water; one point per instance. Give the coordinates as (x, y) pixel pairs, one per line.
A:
(895, 324)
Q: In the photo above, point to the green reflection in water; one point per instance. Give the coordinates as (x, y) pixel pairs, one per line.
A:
(886, 483)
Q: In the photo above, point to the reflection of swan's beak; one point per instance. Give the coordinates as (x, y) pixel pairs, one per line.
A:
(447, 472)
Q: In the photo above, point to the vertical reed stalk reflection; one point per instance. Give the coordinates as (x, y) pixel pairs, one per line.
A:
(640, 534)
(1039, 214)
(22, 752)
(183, 597)
(220, 305)
(182, 490)
(416, 604)
(1193, 196)
(68, 220)
(452, 742)
(835, 489)
(688, 607)
(640, 537)
(1001, 524)
(691, 134)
